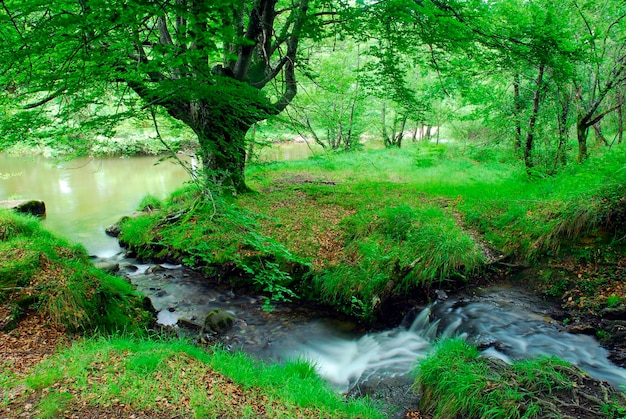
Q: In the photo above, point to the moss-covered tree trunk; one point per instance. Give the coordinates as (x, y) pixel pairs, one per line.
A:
(223, 154)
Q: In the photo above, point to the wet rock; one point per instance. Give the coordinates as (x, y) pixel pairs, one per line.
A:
(614, 313)
(441, 295)
(155, 269)
(128, 267)
(161, 293)
(107, 266)
(147, 305)
(189, 324)
(32, 207)
(113, 230)
(582, 329)
(218, 320)
(617, 329)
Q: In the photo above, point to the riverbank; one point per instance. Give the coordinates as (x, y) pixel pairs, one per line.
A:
(76, 342)
(371, 233)
(47, 372)
(374, 243)
(369, 243)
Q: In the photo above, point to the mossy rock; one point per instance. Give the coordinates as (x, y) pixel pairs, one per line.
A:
(217, 321)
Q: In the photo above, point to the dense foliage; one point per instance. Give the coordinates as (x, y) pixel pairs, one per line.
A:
(536, 77)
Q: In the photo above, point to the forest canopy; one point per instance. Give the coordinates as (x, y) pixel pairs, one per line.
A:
(532, 77)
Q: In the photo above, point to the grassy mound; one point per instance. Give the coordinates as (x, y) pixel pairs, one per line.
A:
(456, 382)
(357, 230)
(41, 272)
(119, 377)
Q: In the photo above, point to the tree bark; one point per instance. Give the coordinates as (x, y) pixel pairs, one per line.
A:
(582, 129)
(620, 122)
(528, 162)
(564, 104)
(517, 111)
(223, 154)
(383, 121)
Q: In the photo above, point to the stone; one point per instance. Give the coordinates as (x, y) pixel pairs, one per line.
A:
(112, 230)
(108, 267)
(129, 267)
(217, 321)
(33, 207)
(581, 329)
(146, 303)
(154, 269)
(614, 313)
(441, 295)
(188, 324)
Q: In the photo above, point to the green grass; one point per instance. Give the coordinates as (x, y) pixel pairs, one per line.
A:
(386, 223)
(455, 381)
(175, 377)
(46, 273)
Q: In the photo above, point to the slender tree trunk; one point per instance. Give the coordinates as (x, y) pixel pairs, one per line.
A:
(414, 135)
(582, 130)
(517, 112)
(561, 151)
(600, 138)
(348, 139)
(620, 122)
(386, 139)
(532, 121)
(400, 134)
(316, 137)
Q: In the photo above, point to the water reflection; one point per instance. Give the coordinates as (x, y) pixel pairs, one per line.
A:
(84, 196)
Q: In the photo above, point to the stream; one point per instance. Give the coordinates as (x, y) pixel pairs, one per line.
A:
(506, 321)
(83, 197)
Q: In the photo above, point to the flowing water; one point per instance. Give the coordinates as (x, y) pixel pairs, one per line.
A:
(506, 322)
(84, 196)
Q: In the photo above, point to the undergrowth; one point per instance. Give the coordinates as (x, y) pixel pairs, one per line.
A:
(217, 237)
(394, 251)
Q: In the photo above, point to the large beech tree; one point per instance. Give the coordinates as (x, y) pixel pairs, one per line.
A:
(218, 66)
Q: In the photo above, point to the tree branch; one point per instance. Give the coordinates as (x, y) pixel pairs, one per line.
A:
(45, 100)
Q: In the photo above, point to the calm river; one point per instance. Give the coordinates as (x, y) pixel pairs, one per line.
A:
(84, 196)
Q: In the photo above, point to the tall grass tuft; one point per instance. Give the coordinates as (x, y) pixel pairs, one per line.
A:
(396, 250)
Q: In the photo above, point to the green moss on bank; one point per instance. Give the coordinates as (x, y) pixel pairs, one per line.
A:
(176, 379)
(455, 381)
(42, 272)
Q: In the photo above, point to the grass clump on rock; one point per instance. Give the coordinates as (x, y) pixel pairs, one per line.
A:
(456, 381)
